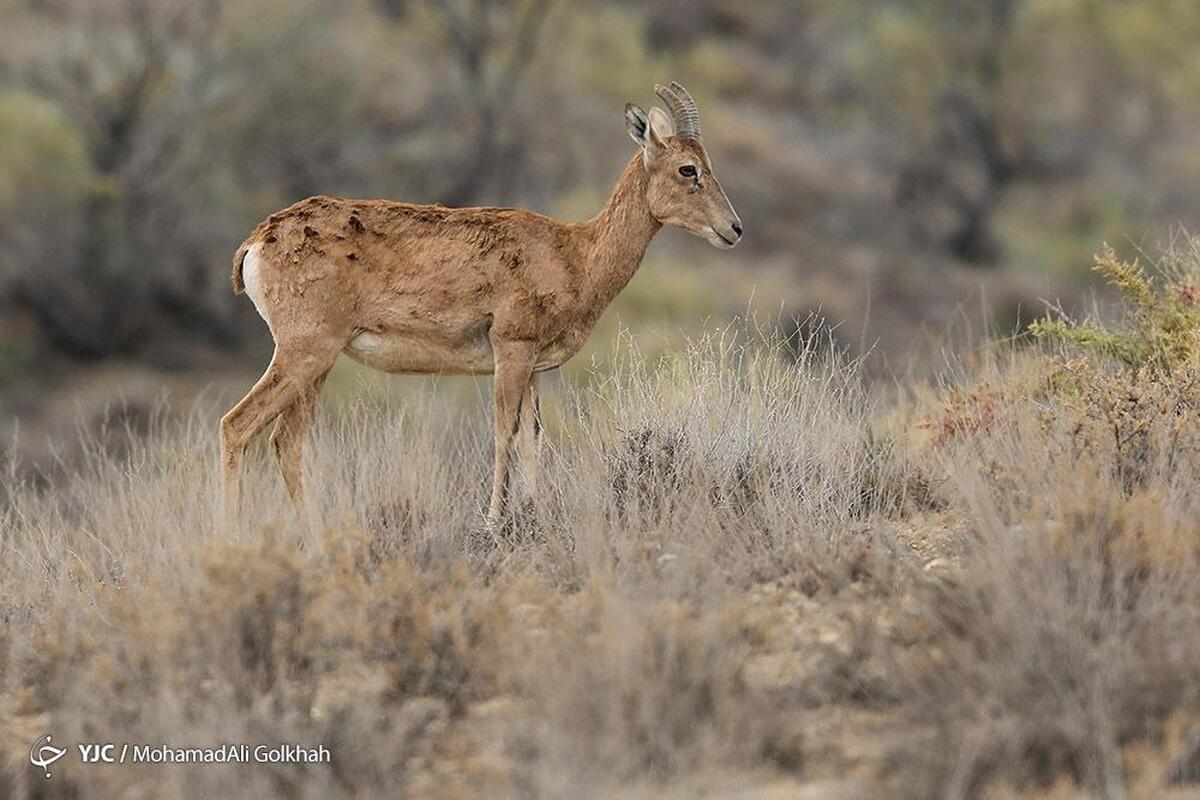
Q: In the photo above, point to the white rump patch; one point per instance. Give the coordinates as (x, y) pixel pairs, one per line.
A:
(252, 280)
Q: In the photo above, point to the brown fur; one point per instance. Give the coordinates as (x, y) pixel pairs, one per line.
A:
(428, 289)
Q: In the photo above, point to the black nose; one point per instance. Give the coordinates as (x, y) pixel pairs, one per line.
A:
(737, 228)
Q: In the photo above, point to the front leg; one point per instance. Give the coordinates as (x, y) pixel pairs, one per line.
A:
(529, 437)
(514, 366)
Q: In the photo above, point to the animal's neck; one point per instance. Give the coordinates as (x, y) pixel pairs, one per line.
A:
(621, 232)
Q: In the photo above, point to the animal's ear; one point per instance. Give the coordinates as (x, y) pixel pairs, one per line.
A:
(660, 123)
(641, 131)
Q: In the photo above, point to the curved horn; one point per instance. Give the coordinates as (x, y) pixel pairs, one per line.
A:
(683, 109)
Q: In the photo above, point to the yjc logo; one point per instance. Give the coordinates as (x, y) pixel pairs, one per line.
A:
(97, 753)
(43, 754)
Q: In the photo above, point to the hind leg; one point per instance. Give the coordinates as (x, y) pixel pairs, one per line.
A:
(289, 436)
(293, 368)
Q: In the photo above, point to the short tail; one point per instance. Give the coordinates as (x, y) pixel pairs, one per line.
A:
(239, 285)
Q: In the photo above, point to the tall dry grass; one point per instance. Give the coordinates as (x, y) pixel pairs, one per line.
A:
(742, 574)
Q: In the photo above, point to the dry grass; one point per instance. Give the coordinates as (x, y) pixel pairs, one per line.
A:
(743, 576)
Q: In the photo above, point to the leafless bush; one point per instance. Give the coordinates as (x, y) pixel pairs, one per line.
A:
(724, 581)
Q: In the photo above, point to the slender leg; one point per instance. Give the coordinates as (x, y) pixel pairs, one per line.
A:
(291, 370)
(288, 439)
(529, 436)
(514, 366)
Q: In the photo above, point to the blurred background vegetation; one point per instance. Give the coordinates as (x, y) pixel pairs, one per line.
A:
(900, 165)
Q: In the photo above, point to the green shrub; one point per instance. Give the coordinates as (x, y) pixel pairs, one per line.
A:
(1162, 325)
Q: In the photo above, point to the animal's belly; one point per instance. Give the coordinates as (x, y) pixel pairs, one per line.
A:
(398, 353)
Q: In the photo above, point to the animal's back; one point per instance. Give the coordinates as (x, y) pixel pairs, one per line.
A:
(380, 236)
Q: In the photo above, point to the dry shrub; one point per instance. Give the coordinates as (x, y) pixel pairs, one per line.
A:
(1055, 646)
(717, 588)
(656, 690)
(1069, 631)
(964, 412)
(604, 646)
(1143, 419)
(751, 454)
(264, 640)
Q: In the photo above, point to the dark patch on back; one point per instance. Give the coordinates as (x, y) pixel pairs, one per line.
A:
(513, 260)
(431, 215)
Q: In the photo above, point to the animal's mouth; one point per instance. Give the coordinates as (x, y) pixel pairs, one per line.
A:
(717, 233)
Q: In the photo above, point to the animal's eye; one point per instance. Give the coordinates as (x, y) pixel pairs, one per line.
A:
(687, 171)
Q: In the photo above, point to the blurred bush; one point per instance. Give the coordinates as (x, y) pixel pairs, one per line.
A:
(878, 154)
